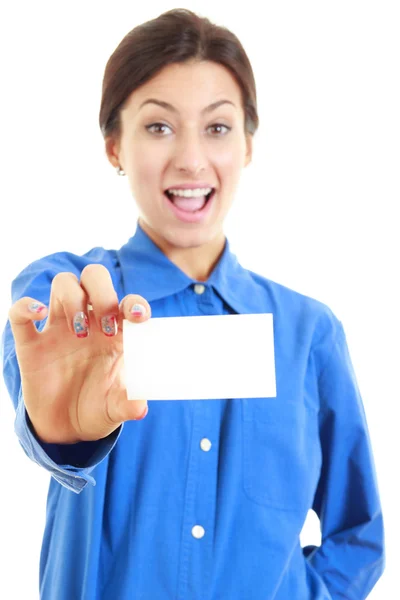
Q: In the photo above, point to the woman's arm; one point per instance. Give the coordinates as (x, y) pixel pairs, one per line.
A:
(69, 464)
(351, 557)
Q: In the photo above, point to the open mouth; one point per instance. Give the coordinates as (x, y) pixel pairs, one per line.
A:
(191, 209)
(207, 197)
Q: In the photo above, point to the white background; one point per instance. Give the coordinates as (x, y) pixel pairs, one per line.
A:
(315, 210)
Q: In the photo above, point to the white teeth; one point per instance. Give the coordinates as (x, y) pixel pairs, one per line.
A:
(191, 193)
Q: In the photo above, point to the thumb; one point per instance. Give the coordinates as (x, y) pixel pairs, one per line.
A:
(126, 409)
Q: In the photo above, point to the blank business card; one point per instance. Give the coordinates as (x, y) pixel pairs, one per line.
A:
(200, 357)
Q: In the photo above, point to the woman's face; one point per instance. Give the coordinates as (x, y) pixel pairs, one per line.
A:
(163, 147)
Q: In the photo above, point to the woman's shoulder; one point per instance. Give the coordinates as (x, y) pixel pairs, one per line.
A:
(298, 306)
(63, 259)
(41, 271)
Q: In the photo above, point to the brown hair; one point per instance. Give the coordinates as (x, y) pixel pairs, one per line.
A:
(176, 36)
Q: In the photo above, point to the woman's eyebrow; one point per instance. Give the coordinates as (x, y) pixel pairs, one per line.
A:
(168, 106)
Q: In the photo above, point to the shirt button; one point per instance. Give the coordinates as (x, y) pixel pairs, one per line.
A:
(205, 444)
(198, 531)
(199, 288)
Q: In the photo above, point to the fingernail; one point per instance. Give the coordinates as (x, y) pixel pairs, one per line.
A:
(138, 310)
(36, 307)
(146, 410)
(81, 325)
(109, 325)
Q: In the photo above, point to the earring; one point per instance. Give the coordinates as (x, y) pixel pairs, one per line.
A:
(120, 171)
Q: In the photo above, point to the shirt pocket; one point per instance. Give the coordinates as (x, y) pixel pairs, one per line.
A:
(281, 453)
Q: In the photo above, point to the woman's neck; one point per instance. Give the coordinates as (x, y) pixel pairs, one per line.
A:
(197, 262)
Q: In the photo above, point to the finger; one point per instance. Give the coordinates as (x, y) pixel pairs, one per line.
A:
(68, 305)
(97, 283)
(22, 315)
(130, 305)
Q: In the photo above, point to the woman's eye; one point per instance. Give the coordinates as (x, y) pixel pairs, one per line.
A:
(219, 125)
(158, 125)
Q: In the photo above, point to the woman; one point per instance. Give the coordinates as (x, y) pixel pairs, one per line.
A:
(200, 499)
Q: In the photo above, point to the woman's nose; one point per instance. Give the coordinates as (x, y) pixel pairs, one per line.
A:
(190, 153)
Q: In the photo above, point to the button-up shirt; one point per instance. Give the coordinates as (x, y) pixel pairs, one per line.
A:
(206, 499)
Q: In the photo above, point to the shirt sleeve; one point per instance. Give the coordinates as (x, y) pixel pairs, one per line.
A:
(69, 464)
(351, 557)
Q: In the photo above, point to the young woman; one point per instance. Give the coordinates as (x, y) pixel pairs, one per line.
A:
(189, 499)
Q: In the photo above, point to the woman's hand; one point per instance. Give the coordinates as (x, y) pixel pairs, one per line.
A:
(73, 387)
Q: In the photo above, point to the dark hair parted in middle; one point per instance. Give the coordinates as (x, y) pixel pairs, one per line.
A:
(176, 36)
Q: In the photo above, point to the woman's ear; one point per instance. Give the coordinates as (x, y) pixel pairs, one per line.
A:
(249, 149)
(112, 151)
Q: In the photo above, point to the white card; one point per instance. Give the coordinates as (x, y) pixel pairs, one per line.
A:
(200, 357)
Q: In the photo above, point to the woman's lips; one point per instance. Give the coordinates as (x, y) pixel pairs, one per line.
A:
(191, 217)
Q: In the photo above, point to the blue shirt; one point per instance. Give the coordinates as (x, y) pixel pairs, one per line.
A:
(205, 499)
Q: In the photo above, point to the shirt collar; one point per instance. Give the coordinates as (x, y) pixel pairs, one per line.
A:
(148, 272)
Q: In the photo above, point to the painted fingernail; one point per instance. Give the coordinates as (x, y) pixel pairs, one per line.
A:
(81, 325)
(138, 310)
(109, 325)
(36, 307)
